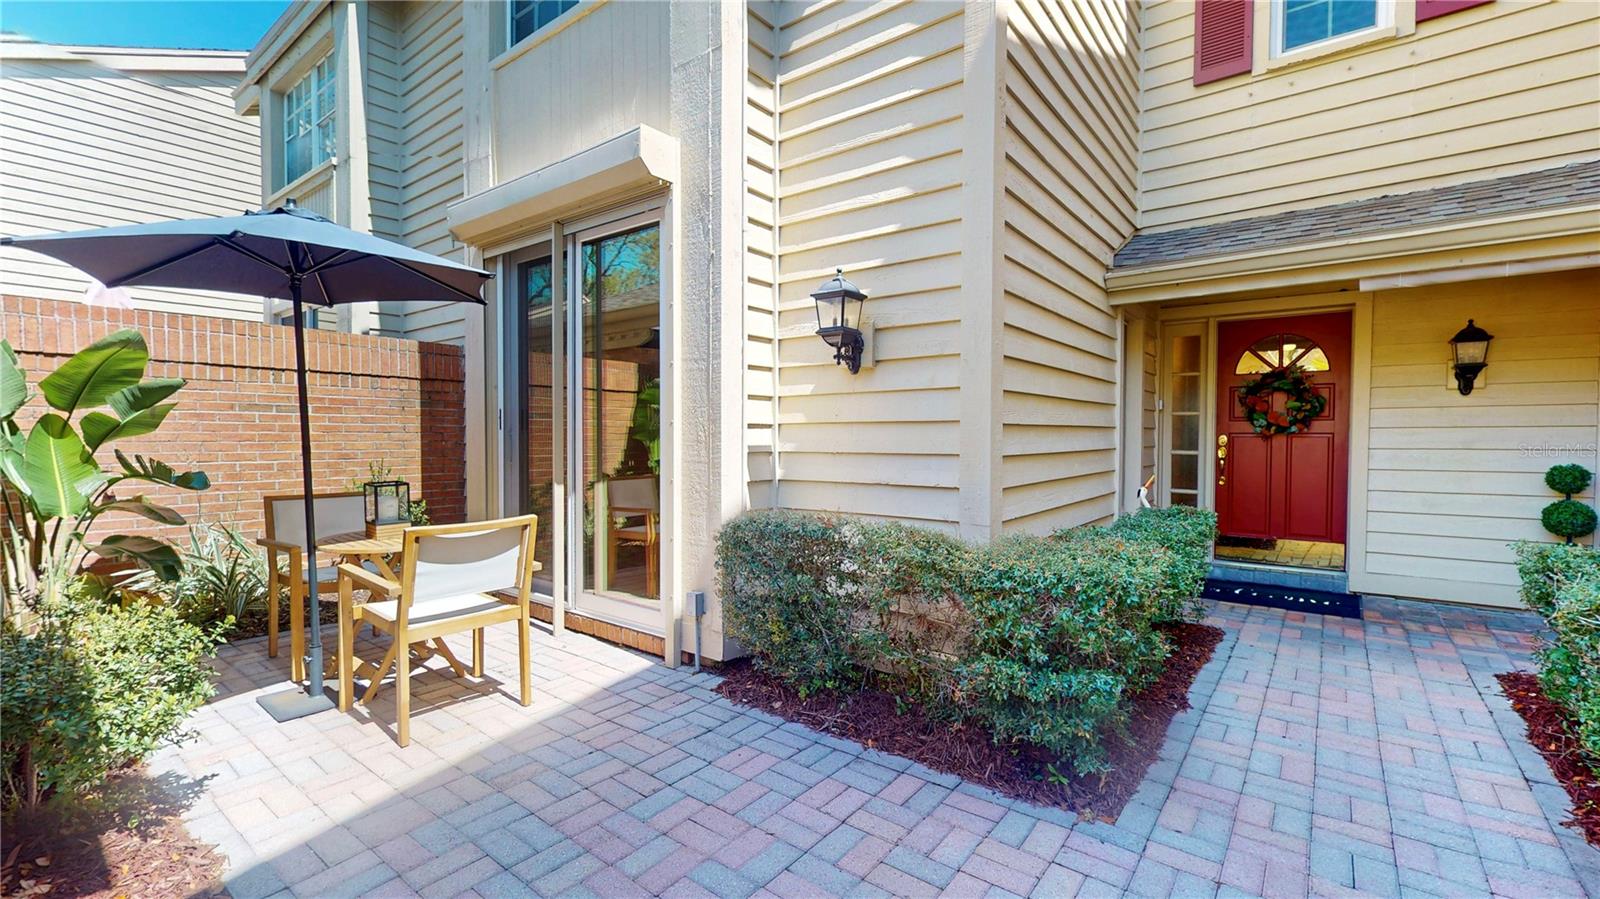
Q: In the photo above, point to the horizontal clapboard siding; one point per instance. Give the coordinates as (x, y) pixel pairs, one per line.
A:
(1453, 480)
(1070, 147)
(869, 176)
(1497, 89)
(86, 145)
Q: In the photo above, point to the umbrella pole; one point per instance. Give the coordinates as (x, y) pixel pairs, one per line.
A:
(293, 704)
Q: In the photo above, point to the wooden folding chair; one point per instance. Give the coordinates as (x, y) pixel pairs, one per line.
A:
(284, 514)
(450, 576)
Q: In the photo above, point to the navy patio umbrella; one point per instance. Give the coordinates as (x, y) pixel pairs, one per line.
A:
(287, 254)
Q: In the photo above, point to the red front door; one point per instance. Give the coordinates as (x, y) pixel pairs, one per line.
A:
(1284, 486)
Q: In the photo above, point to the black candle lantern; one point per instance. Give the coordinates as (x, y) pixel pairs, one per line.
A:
(839, 319)
(1471, 349)
(388, 504)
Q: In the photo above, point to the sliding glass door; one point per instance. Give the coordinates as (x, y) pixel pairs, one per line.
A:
(617, 402)
(590, 405)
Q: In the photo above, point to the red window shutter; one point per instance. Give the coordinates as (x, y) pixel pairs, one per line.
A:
(1222, 38)
(1433, 9)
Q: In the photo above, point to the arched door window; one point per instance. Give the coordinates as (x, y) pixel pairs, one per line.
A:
(1281, 351)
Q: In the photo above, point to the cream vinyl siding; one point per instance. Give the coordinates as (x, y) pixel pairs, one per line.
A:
(385, 87)
(86, 144)
(869, 152)
(761, 253)
(1070, 142)
(1453, 479)
(603, 69)
(432, 164)
(1493, 90)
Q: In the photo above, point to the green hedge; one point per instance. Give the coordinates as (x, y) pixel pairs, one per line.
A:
(1053, 635)
(92, 688)
(1562, 583)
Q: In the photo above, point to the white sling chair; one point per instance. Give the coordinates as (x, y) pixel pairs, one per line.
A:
(449, 577)
(284, 515)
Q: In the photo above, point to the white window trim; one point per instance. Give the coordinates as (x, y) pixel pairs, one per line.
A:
(553, 26)
(1395, 18)
(318, 119)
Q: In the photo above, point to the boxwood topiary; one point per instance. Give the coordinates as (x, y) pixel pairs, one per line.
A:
(1568, 479)
(1568, 518)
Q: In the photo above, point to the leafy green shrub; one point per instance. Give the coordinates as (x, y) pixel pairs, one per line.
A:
(1043, 640)
(94, 687)
(1567, 664)
(916, 624)
(1562, 583)
(1545, 567)
(1568, 479)
(224, 579)
(791, 594)
(1063, 637)
(1569, 518)
(1187, 533)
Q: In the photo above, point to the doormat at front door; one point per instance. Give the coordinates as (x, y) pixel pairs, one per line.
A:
(1293, 599)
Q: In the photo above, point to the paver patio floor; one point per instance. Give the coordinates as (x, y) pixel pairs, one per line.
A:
(1323, 756)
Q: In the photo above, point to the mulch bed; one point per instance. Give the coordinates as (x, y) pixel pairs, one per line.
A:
(128, 842)
(1550, 731)
(879, 720)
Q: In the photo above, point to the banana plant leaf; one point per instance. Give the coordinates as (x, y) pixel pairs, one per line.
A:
(143, 395)
(100, 428)
(159, 557)
(138, 505)
(88, 379)
(58, 469)
(13, 384)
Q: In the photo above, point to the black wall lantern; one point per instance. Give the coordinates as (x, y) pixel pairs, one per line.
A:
(1471, 348)
(839, 319)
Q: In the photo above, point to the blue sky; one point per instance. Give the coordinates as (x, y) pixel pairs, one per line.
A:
(190, 24)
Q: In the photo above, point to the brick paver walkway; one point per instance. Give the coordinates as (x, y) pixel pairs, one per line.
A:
(1322, 756)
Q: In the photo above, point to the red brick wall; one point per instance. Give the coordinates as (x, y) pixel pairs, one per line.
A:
(372, 399)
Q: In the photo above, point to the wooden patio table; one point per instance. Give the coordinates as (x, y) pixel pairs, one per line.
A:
(356, 547)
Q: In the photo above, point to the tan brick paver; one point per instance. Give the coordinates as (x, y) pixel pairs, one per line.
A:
(1323, 756)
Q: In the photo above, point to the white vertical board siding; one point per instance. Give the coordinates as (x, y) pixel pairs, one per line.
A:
(432, 164)
(869, 178)
(761, 253)
(385, 105)
(1497, 89)
(86, 145)
(1453, 479)
(1070, 144)
(602, 74)
(385, 102)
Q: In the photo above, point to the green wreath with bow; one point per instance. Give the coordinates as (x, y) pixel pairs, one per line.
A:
(1303, 402)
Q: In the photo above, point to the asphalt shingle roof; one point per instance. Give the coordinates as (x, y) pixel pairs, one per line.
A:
(1563, 186)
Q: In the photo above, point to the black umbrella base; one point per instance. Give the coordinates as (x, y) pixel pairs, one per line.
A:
(297, 703)
(1293, 599)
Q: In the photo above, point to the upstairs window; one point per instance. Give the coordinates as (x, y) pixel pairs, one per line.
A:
(1302, 23)
(528, 16)
(308, 122)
